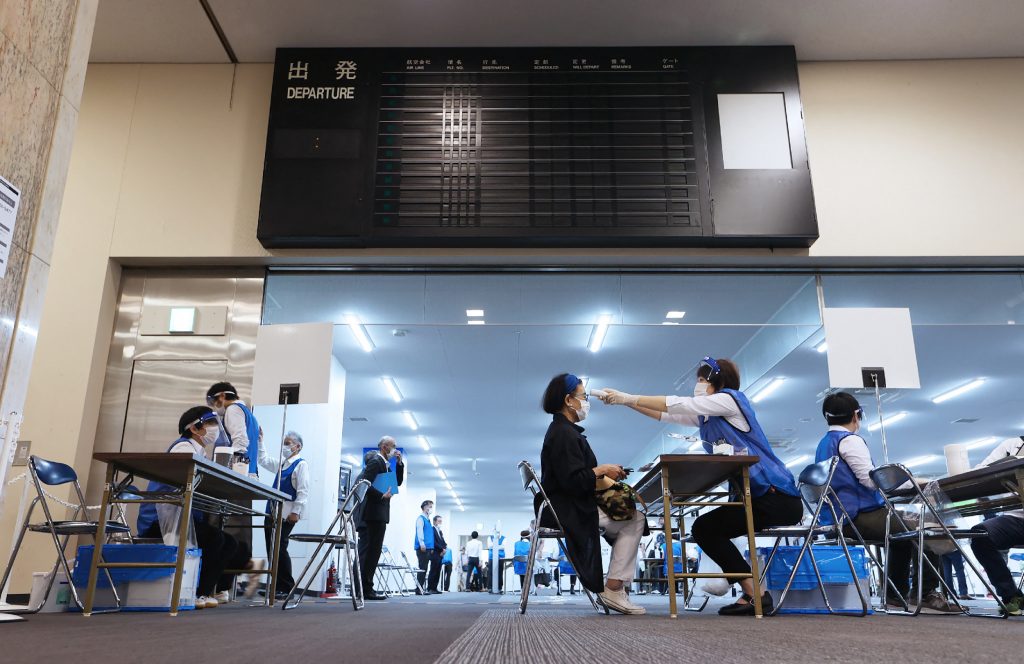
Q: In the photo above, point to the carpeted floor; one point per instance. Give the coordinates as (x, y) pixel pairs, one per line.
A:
(481, 628)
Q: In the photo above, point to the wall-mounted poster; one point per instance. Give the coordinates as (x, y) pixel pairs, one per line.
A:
(344, 482)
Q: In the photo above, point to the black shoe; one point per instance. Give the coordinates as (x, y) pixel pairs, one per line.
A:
(420, 592)
(747, 609)
(281, 595)
(374, 595)
(433, 592)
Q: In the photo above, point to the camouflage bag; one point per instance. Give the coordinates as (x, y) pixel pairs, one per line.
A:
(617, 500)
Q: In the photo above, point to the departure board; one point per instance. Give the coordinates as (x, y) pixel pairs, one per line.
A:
(551, 147)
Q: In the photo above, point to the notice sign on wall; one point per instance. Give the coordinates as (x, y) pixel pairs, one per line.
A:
(9, 198)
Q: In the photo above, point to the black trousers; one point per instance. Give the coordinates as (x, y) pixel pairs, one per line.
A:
(447, 574)
(1004, 532)
(714, 530)
(220, 551)
(371, 541)
(423, 563)
(284, 567)
(434, 577)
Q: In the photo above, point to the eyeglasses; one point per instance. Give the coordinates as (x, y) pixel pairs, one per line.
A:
(581, 397)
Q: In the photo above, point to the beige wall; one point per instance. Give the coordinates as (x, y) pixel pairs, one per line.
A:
(917, 161)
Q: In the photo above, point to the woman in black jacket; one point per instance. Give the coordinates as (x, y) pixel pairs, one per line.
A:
(569, 474)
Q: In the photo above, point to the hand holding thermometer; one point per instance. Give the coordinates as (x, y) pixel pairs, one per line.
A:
(600, 394)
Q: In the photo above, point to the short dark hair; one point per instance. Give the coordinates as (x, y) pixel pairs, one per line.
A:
(554, 396)
(437, 517)
(190, 416)
(840, 408)
(525, 533)
(474, 535)
(728, 377)
(425, 503)
(217, 388)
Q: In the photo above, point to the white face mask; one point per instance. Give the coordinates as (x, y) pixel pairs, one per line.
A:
(700, 389)
(289, 451)
(583, 410)
(210, 435)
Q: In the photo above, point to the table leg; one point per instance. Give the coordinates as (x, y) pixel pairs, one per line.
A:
(670, 561)
(272, 579)
(754, 571)
(685, 559)
(184, 522)
(101, 535)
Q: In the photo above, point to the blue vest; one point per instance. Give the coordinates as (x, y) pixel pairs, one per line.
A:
(564, 566)
(769, 471)
(147, 511)
(252, 430)
(854, 496)
(286, 482)
(522, 548)
(677, 554)
(428, 535)
(447, 558)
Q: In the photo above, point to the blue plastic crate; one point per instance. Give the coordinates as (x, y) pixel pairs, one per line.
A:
(140, 589)
(831, 564)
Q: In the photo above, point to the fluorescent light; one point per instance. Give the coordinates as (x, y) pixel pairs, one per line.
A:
(668, 322)
(449, 485)
(699, 445)
(822, 347)
(477, 321)
(474, 313)
(768, 389)
(675, 315)
(798, 460)
(423, 443)
(433, 460)
(351, 458)
(946, 396)
(182, 320)
(599, 332)
(392, 388)
(921, 460)
(359, 332)
(440, 471)
(981, 442)
(410, 420)
(892, 419)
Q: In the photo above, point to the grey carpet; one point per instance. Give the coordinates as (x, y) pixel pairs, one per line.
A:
(546, 636)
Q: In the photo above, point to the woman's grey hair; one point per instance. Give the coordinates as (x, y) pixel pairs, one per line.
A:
(294, 436)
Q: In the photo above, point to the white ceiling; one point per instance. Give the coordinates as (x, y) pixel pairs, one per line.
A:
(475, 390)
(179, 31)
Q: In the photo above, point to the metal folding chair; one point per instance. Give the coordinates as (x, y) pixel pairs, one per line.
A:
(815, 485)
(532, 484)
(341, 533)
(52, 473)
(891, 478)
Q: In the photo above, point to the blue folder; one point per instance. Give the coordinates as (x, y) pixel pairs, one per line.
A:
(385, 481)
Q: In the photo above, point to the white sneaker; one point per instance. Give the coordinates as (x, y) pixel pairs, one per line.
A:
(200, 603)
(223, 597)
(205, 602)
(618, 600)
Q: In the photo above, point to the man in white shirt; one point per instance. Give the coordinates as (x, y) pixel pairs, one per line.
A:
(474, 547)
(295, 483)
(1004, 532)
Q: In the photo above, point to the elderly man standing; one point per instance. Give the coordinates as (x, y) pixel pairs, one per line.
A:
(375, 511)
(295, 483)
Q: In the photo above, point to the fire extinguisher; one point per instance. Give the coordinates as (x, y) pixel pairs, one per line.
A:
(332, 581)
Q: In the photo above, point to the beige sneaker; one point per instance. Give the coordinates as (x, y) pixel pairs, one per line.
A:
(252, 581)
(223, 597)
(618, 600)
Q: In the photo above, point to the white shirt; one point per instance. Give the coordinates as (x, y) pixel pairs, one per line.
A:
(189, 446)
(300, 480)
(473, 548)
(686, 410)
(855, 453)
(234, 425)
(1007, 448)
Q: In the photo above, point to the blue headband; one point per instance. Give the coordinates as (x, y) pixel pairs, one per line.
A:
(710, 361)
(571, 383)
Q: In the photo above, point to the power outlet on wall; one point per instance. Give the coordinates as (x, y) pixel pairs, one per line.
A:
(21, 453)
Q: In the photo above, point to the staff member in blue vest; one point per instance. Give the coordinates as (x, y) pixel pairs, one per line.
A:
(295, 483)
(520, 556)
(198, 430)
(565, 567)
(862, 501)
(724, 415)
(423, 542)
(239, 423)
(446, 569)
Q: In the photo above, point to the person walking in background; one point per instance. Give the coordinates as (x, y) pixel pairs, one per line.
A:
(374, 512)
(520, 559)
(295, 483)
(436, 555)
(423, 543)
(474, 547)
(954, 562)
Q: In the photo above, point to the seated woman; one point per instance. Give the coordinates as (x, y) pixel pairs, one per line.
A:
(198, 429)
(570, 475)
(724, 415)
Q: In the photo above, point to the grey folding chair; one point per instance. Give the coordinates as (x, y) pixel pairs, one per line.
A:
(341, 533)
(815, 485)
(532, 484)
(890, 479)
(53, 473)
(414, 572)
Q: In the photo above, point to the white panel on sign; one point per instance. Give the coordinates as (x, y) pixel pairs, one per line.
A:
(289, 354)
(859, 338)
(9, 200)
(755, 134)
